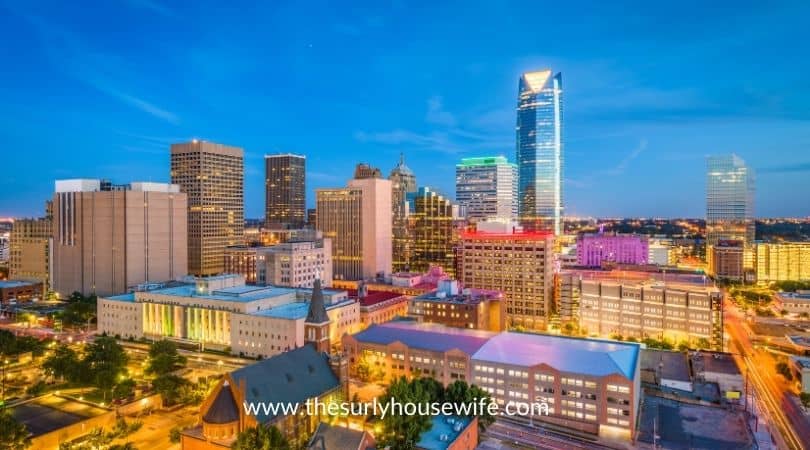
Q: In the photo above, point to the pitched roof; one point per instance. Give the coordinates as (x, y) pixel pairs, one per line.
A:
(223, 409)
(586, 356)
(290, 377)
(317, 310)
(329, 437)
(425, 336)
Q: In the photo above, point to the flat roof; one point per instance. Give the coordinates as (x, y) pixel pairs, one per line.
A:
(425, 336)
(449, 426)
(474, 296)
(794, 296)
(576, 355)
(239, 294)
(128, 297)
(16, 283)
(373, 297)
(802, 361)
(295, 310)
(670, 365)
(716, 362)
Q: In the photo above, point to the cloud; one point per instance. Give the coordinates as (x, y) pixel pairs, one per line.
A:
(436, 113)
(786, 168)
(620, 168)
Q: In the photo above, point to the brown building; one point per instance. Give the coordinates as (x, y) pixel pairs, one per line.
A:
(19, 290)
(108, 238)
(726, 260)
(212, 175)
(514, 262)
(379, 306)
(432, 232)
(30, 250)
(403, 182)
(285, 194)
(468, 308)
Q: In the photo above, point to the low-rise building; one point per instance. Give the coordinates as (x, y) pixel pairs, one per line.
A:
(801, 368)
(329, 437)
(222, 312)
(450, 433)
(406, 283)
(478, 309)
(19, 291)
(793, 302)
(726, 260)
(720, 368)
(294, 264)
(666, 368)
(379, 306)
(595, 250)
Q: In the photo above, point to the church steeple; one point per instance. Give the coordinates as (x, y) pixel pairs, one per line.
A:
(316, 325)
(317, 309)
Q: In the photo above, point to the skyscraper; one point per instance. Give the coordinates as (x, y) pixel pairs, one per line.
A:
(357, 219)
(285, 194)
(213, 177)
(403, 182)
(540, 150)
(30, 249)
(108, 238)
(729, 200)
(487, 187)
(433, 236)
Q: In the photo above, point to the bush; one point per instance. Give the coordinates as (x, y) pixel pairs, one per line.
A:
(37, 388)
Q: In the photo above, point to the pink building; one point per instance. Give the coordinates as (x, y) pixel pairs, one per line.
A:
(593, 250)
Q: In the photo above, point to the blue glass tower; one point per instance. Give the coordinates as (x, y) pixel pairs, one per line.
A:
(540, 150)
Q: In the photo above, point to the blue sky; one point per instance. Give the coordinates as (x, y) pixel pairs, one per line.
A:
(102, 89)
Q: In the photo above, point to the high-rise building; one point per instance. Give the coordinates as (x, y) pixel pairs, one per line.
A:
(30, 249)
(285, 194)
(730, 204)
(726, 260)
(108, 238)
(433, 235)
(540, 150)
(518, 263)
(403, 182)
(363, 171)
(782, 261)
(212, 175)
(594, 250)
(487, 187)
(357, 219)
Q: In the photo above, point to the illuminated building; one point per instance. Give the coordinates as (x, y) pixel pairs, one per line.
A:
(30, 249)
(783, 261)
(403, 182)
(222, 312)
(212, 177)
(730, 203)
(594, 250)
(487, 187)
(540, 150)
(379, 306)
(433, 235)
(726, 260)
(449, 305)
(357, 219)
(19, 291)
(295, 264)
(518, 263)
(407, 283)
(677, 307)
(792, 302)
(108, 238)
(285, 193)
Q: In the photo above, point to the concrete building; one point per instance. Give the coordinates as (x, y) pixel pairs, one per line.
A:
(222, 312)
(726, 260)
(19, 291)
(719, 368)
(212, 175)
(730, 204)
(595, 250)
(358, 221)
(5, 248)
(285, 190)
(406, 283)
(801, 368)
(403, 182)
(641, 305)
(666, 368)
(793, 302)
(487, 187)
(463, 308)
(30, 255)
(503, 258)
(432, 232)
(108, 238)
(379, 306)
(291, 264)
(661, 253)
(783, 261)
(450, 433)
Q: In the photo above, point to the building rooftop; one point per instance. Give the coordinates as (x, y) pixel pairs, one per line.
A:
(374, 297)
(328, 437)
(800, 296)
(5, 284)
(425, 336)
(521, 235)
(715, 362)
(668, 365)
(801, 341)
(228, 294)
(466, 296)
(295, 310)
(443, 432)
(587, 356)
(801, 361)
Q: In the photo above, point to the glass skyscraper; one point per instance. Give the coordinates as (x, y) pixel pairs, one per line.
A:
(540, 150)
(729, 200)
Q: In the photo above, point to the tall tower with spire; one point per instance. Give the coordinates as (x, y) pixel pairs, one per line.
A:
(316, 325)
(403, 182)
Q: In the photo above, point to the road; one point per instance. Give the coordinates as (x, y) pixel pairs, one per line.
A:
(792, 426)
(538, 437)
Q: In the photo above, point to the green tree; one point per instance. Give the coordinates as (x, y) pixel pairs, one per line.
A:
(164, 358)
(683, 346)
(462, 393)
(175, 435)
(64, 364)
(805, 398)
(402, 431)
(13, 435)
(106, 360)
(169, 387)
(784, 369)
(8, 343)
(703, 344)
(124, 389)
(261, 438)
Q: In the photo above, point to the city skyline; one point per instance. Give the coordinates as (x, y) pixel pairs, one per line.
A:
(113, 107)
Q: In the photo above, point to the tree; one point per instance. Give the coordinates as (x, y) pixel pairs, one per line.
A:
(783, 369)
(106, 360)
(124, 389)
(8, 343)
(13, 435)
(805, 398)
(64, 364)
(462, 393)
(683, 346)
(169, 386)
(164, 358)
(126, 446)
(175, 435)
(403, 431)
(703, 344)
(261, 438)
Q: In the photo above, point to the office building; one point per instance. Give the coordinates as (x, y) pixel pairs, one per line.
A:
(379, 306)
(19, 291)
(403, 182)
(212, 175)
(291, 264)
(450, 305)
(540, 150)
(487, 187)
(595, 250)
(793, 302)
(311, 217)
(675, 307)
(501, 257)
(433, 234)
(285, 194)
(357, 219)
(406, 283)
(730, 204)
(30, 243)
(661, 253)
(363, 171)
(782, 261)
(5, 249)
(108, 238)
(221, 312)
(726, 260)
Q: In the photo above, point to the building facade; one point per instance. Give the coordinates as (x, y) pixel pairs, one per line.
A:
(487, 187)
(291, 264)
(594, 250)
(726, 260)
(30, 243)
(403, 182)
(285, 190)
(783, 261)
(433, 234)
(517, 263)
(450, 305)
(108, 238)
(539, 155)
(357, 219)
(19, 291)
(730, 204)
(212, 175)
